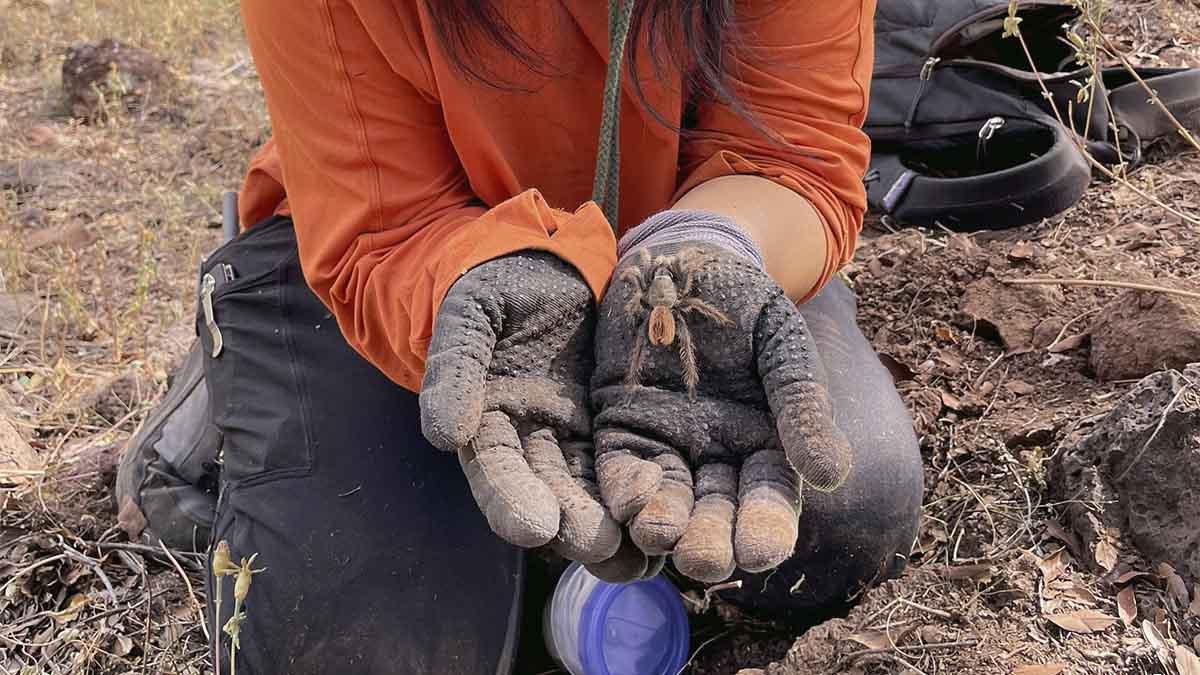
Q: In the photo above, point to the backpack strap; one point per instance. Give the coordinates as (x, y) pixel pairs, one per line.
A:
(1041, 187)
(1177, 88)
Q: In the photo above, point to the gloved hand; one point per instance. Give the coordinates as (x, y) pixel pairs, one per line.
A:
(711, 410)
(506, 389)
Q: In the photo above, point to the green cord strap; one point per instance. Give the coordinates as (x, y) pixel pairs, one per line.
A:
(606, 186)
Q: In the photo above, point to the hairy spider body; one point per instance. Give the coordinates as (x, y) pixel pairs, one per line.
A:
(663, 285)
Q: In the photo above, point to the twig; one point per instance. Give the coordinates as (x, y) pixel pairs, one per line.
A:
(1063, 332)
(928, 610)
(153, 550)
(1161, 421)
(704, 644)
(191, 592)
(852, 656)
(1037, 281)
(94, 564)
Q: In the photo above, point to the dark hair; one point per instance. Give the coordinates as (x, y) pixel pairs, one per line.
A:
(691, 36)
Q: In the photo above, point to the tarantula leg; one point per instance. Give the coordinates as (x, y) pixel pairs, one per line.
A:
(633, 376)
(704, 309)
(687, 358)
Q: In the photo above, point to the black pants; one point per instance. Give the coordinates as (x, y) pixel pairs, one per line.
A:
(376, 558)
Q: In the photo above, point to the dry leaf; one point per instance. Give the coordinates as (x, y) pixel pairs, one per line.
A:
(1053, 565)
(981, 572)
(1155, 638)
(1056, 530)
(1067, 344)
(1072, 590)
(951, 401)
(1020, 387)
(1176, 589)
(873, 639)
(1186, 661)
(1040, 669)
(1194, 608)
(1082, 621)
(1129, 576)
(899, 370)
(122, 646)
(943, 333)
(1105, 553)
(1022, 250)
(1127, 605)
(71, 611)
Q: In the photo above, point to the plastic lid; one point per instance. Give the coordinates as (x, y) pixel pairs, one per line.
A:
(633, 629)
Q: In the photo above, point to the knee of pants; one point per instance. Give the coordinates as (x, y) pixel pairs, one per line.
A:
(849, 540)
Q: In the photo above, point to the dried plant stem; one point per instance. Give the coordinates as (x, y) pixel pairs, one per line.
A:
(1037, 281)
(188, 584)
(1081, 142)
(217, 625)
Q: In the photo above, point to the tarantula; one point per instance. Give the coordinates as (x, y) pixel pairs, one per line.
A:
(663, 285)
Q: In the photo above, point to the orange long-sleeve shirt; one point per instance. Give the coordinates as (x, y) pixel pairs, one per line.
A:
(400, 174)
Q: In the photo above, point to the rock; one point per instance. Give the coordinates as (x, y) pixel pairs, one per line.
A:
(28, 175)
(1023, 318)
(1140, 332)
(18, 461)
(1040, 431)
(15, 310)
(96, 74)
(73, 236)
(31, 217)
(1134, 479)
(751, 671)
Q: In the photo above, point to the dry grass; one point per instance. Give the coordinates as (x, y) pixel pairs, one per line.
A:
(103, 259)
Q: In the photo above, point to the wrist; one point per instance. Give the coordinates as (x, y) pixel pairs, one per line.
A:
(678, 227)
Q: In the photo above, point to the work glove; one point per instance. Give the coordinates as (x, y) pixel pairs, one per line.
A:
(505, 388)
(711, 408)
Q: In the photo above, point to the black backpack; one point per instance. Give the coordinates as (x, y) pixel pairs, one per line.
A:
(962, 134)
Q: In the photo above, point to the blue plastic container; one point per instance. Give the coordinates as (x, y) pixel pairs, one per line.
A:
(592, 627)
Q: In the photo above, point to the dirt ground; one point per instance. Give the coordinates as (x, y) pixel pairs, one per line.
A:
(97, 278)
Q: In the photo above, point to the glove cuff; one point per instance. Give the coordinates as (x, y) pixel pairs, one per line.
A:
(680, 227)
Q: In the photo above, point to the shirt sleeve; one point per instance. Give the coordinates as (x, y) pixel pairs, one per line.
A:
(802, 71)
(385, 218)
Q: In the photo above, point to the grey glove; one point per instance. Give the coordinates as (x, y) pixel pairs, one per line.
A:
(506, 389)
(711, 410)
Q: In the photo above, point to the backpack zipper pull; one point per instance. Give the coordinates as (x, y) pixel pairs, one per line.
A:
(985, 134)
(207, 285)
(926, 76)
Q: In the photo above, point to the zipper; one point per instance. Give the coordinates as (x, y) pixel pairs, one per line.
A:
(926, 76)
(986, 132)
(208, 284)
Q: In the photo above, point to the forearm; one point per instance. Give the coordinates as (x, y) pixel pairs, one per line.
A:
(784, 225)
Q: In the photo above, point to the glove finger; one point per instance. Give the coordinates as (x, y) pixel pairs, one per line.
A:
(452, 391)
(793, 378)
(663, 519)
(627, 481)
(586, 532)
(815, 447)
(705, 551)
(518, 505)
(627, 564)
(768, 511)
